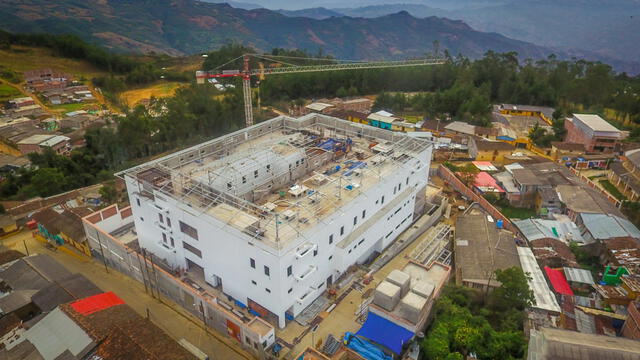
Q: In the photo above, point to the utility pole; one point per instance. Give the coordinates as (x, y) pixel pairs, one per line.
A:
(104, 260)
(25, 246)
(146, 269)
(144, 281)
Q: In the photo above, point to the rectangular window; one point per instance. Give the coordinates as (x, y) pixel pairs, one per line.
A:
(267, 290)
(266, 270)
(138, 201)
(382, 199)
(192, 249)
(315, 252)
(254, 282)
(255, 173)
(407, 182)
(252, 263)
(330, 239)
(377, 201)
(268, 167)
(364, 213)
(229, 186)
(164, 238)
(394, 190)
(141, 218)
(290, 290)
(330, 257)
(355, 220)
(341, 230)
(189, 230)
(173, 244)
(168, 221)
(244, 179)
(399, 186)
(360, 242)
(290, 270)
(161, 218)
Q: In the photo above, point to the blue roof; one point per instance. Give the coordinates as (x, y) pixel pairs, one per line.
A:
(384, 332)
(506, 138)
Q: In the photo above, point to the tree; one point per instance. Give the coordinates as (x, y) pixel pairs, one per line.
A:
(514, 293)
(109, 194)
(468, 173)
(48, 181)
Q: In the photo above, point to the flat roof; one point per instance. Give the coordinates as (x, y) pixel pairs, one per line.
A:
(333, 161)
(481, 248)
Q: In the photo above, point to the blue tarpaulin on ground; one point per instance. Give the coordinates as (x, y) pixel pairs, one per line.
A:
(384, 332)
(364, 348)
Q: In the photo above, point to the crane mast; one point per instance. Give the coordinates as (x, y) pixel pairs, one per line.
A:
(247, 72)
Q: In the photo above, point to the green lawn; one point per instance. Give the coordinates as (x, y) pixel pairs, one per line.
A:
(8, 92)
(611, 189)
(69, 107)
(517, 213)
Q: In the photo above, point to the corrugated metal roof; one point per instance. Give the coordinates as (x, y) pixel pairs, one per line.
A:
(534, 229)
(578, 275)
(461, 127)
(606, 226)
(57, 333)
(545, 298)
(595, 122)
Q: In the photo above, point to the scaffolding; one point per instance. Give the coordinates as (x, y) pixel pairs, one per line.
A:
(314, 166)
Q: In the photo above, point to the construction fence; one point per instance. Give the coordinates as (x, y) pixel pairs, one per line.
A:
(162, 285)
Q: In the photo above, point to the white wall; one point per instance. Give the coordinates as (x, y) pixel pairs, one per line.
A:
(226, 252)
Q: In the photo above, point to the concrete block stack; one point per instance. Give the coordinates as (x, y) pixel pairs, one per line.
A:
(387, 295)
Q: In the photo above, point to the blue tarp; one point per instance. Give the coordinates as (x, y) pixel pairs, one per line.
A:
(384, 332)
(506, 138)
(364, 348)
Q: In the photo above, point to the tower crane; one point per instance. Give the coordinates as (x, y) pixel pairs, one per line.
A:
(247, 72)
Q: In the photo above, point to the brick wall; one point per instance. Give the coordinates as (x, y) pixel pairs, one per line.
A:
(450, 179)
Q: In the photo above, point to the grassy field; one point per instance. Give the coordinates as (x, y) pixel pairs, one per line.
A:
(517, 213)
(65, 108)
(158, 90)
(611, 189)
(21, 58)
(8, 92)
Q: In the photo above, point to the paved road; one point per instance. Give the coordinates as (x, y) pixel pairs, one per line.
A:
(170, 318)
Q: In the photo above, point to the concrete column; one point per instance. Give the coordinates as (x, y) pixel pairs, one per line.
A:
(281, 320)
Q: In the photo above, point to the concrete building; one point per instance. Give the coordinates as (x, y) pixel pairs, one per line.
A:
(555, 344)
(273, 214)
(593, 131)
(564, 151)
(631, 328)
(483, 150)
(480, 249)
(544, 113)
(37, 144)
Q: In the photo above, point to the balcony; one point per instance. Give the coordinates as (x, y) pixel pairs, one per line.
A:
(306, 274)
(305, 250)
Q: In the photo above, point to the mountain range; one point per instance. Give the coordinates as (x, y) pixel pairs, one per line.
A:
(601, 29)
(189, 26)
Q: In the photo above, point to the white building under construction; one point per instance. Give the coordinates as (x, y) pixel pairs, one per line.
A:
(272, 215)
